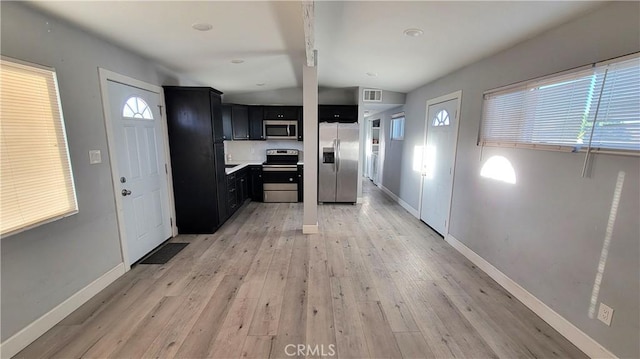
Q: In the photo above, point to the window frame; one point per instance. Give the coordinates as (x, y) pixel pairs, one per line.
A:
(62, 138)
(543, 79)
(397, 117)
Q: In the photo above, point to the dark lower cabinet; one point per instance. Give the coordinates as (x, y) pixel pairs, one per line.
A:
(221, 184)
(242, 185)
(197, 157)
(300, 184)
(232, 194)
(255, 183)
(237, 189)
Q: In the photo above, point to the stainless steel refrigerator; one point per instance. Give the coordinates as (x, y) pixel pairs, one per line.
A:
(338, 162)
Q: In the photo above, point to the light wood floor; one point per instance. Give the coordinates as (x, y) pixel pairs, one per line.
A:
(376, 283)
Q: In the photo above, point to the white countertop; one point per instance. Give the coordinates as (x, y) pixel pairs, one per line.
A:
(242, 165)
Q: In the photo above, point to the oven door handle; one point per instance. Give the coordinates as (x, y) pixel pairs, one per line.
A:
(279, 169)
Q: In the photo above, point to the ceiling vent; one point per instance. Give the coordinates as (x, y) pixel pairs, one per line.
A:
(372, 95)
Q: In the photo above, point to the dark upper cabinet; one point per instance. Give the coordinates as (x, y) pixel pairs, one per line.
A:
(240, 122)
(227, 129)
(256, 115)
(338, 113)
(281, 112)
(197, 159)
(300, 123)
(216, 115)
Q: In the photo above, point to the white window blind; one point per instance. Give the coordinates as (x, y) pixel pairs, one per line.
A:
(35, 171)
(397, 127)
(561, 110)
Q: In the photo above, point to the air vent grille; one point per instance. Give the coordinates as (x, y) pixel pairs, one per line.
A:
(372, 95)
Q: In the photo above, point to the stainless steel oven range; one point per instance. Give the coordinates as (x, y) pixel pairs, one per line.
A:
(280, 176)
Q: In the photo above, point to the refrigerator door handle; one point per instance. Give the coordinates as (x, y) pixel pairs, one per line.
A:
(337, 155)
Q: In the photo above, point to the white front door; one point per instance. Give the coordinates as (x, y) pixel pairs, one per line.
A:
(438, 161)
(137, 139)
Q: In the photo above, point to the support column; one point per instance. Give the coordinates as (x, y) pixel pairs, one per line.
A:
(310, 118)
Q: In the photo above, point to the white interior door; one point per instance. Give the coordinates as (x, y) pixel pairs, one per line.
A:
(136, 130)
(438, 162)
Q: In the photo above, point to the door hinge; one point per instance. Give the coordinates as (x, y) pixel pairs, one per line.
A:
(171, 221)
(166, 170)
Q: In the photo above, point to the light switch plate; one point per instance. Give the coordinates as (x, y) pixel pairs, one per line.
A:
(95, 156)
(605, 313)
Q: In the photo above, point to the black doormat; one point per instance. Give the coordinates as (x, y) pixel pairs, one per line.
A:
(164, 254)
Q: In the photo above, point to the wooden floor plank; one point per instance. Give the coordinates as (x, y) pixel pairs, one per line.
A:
(320, 324)
(257, 347)
(205, 330)
(376, 282)
(413, 346)
(350, 339)
(380, 339)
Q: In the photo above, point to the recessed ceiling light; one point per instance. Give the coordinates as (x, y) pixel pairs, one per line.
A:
(372, 74)
(413, 32)
(202, 26)
(237, 61)
(260, 84)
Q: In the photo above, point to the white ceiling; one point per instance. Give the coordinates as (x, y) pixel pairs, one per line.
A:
(352, 37)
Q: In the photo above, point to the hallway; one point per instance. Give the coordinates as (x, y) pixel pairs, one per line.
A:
(375, 283)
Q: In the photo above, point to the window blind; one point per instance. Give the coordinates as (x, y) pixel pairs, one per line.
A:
(35, 171)
(618, 120)
(561, 110)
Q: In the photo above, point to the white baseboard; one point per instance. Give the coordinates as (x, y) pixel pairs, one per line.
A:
(310, 229)
(414, 212)
(576, 336)
(33, 331)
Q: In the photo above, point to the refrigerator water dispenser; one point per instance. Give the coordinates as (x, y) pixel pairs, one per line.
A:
(328, 155)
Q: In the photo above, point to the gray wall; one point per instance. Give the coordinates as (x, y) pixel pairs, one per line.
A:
(44, 266)
(545, 232)
(391, 152)
(293, 97)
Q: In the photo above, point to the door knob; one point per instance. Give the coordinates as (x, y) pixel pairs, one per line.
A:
(126, 192)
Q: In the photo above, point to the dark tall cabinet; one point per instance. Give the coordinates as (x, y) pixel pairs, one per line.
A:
(194, 120)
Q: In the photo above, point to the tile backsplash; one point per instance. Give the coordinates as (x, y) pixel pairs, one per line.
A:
(254, 151)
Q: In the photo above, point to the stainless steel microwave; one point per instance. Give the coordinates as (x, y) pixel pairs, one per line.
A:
(280, 129)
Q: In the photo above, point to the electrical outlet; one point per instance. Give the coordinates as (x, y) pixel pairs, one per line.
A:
(605, 313)
(95, 156)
